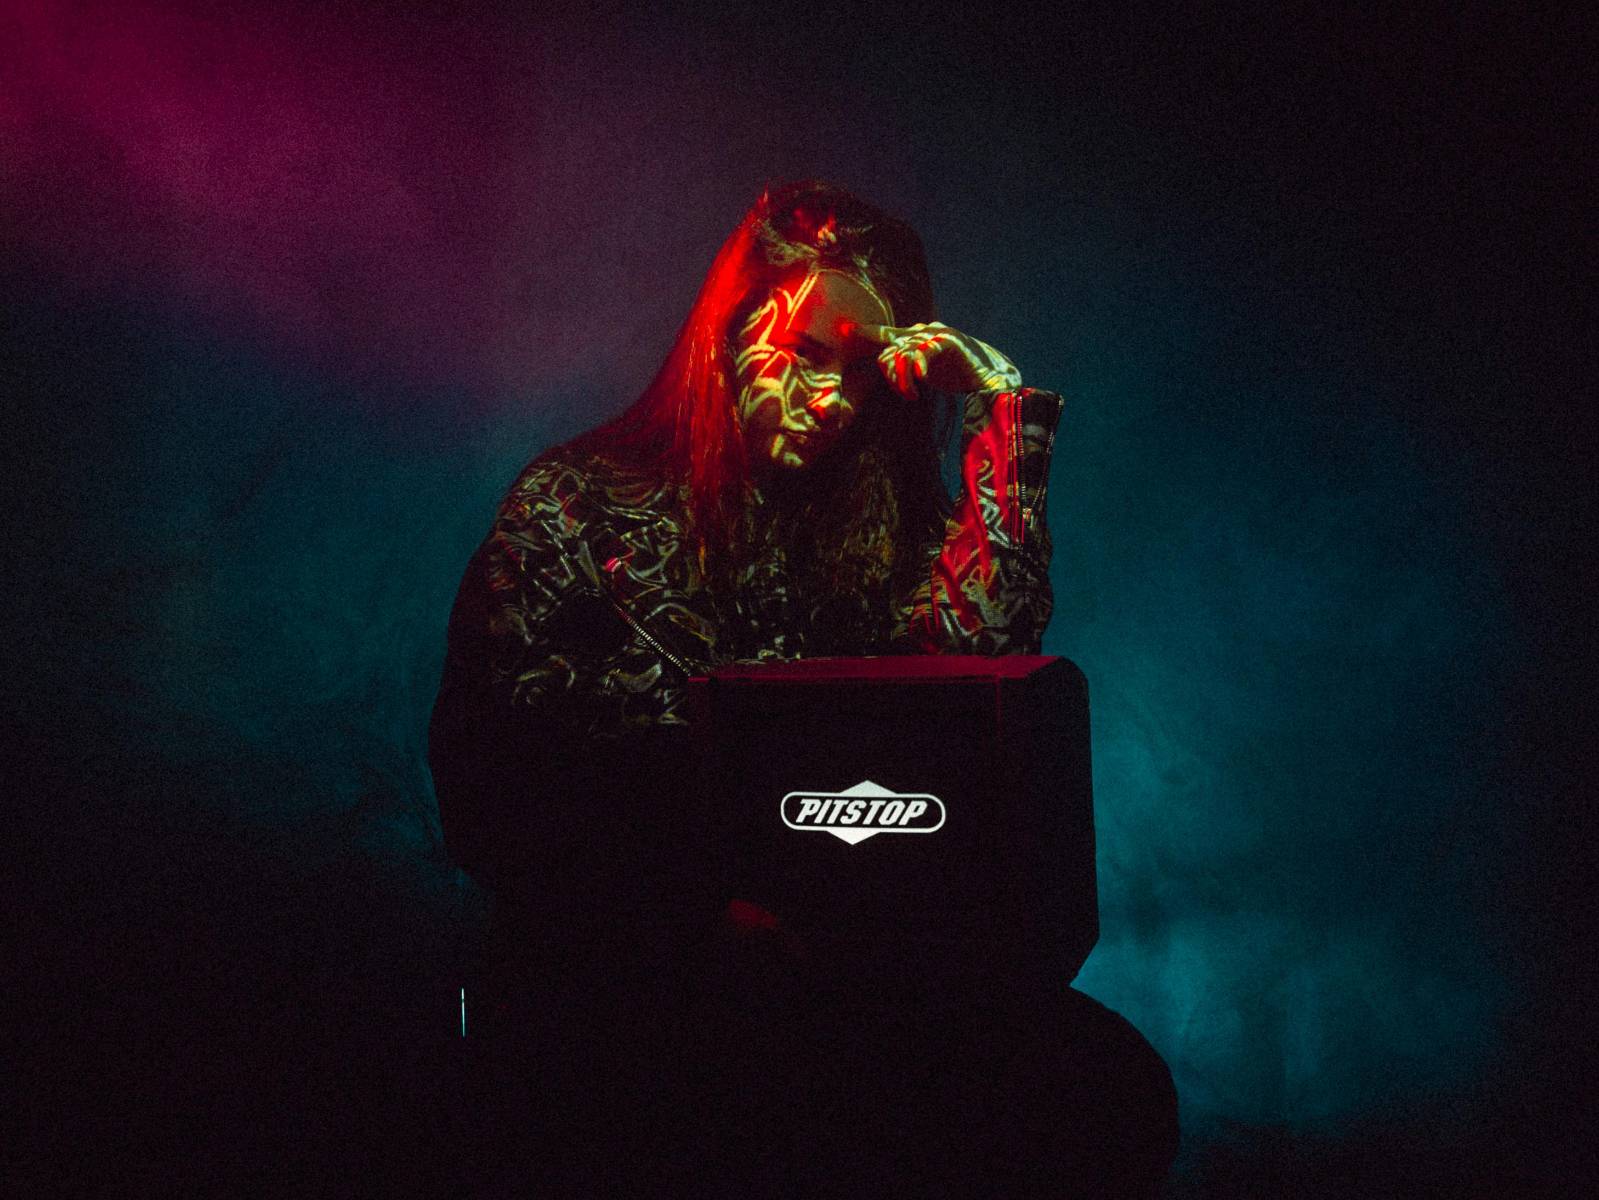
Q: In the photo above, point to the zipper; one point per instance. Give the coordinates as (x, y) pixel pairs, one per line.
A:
(1020, 511)
(1029, 505)
(607, 572)
(650, 640)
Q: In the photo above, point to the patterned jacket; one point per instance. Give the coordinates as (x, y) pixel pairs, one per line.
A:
(583, 613)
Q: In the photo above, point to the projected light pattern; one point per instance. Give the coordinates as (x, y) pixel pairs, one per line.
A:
(248, 242)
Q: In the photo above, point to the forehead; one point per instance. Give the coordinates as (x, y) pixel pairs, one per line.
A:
(827, 299)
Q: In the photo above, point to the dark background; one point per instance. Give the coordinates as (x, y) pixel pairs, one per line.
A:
(291, 293)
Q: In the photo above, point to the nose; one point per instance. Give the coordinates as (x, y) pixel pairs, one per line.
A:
(827, 406)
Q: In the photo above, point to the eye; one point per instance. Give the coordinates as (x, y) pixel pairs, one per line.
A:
(770, 356)
(815, 353)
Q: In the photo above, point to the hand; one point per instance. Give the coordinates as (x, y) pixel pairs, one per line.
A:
(938, 356)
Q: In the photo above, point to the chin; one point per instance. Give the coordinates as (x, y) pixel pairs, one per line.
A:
(797, 460)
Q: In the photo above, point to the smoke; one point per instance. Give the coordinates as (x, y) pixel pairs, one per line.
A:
(294, 175)
(1295, 646)
(305, 291)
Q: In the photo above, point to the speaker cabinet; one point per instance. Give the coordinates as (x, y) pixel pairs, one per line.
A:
(922, 820)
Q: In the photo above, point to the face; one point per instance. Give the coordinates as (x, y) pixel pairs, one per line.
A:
(802, 375)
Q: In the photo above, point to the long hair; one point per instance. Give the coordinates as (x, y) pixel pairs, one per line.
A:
(877, 497)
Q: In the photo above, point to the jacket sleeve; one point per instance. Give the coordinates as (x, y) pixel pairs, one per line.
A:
(538, 795)
(987, 589)
(525, 639)
(545, 625)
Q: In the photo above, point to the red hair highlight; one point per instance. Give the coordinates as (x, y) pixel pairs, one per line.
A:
(684, 424)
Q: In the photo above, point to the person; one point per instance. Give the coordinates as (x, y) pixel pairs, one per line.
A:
(775, 492)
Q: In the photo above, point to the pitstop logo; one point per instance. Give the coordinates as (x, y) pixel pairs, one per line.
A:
(862, 811)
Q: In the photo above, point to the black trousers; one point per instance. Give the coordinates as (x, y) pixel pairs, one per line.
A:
(737, 1068)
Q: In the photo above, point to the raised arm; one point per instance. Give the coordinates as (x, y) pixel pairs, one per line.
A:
(987, 588)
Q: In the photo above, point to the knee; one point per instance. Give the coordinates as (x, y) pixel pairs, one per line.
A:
(1118, 1084)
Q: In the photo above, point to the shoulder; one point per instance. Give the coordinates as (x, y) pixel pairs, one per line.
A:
(570, 489)
(547, 486)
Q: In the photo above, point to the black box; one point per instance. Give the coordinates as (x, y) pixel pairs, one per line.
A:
(923, 819)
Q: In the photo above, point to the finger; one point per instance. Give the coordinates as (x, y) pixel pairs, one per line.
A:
(878, 335)
(891, 362)
(919, 364)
